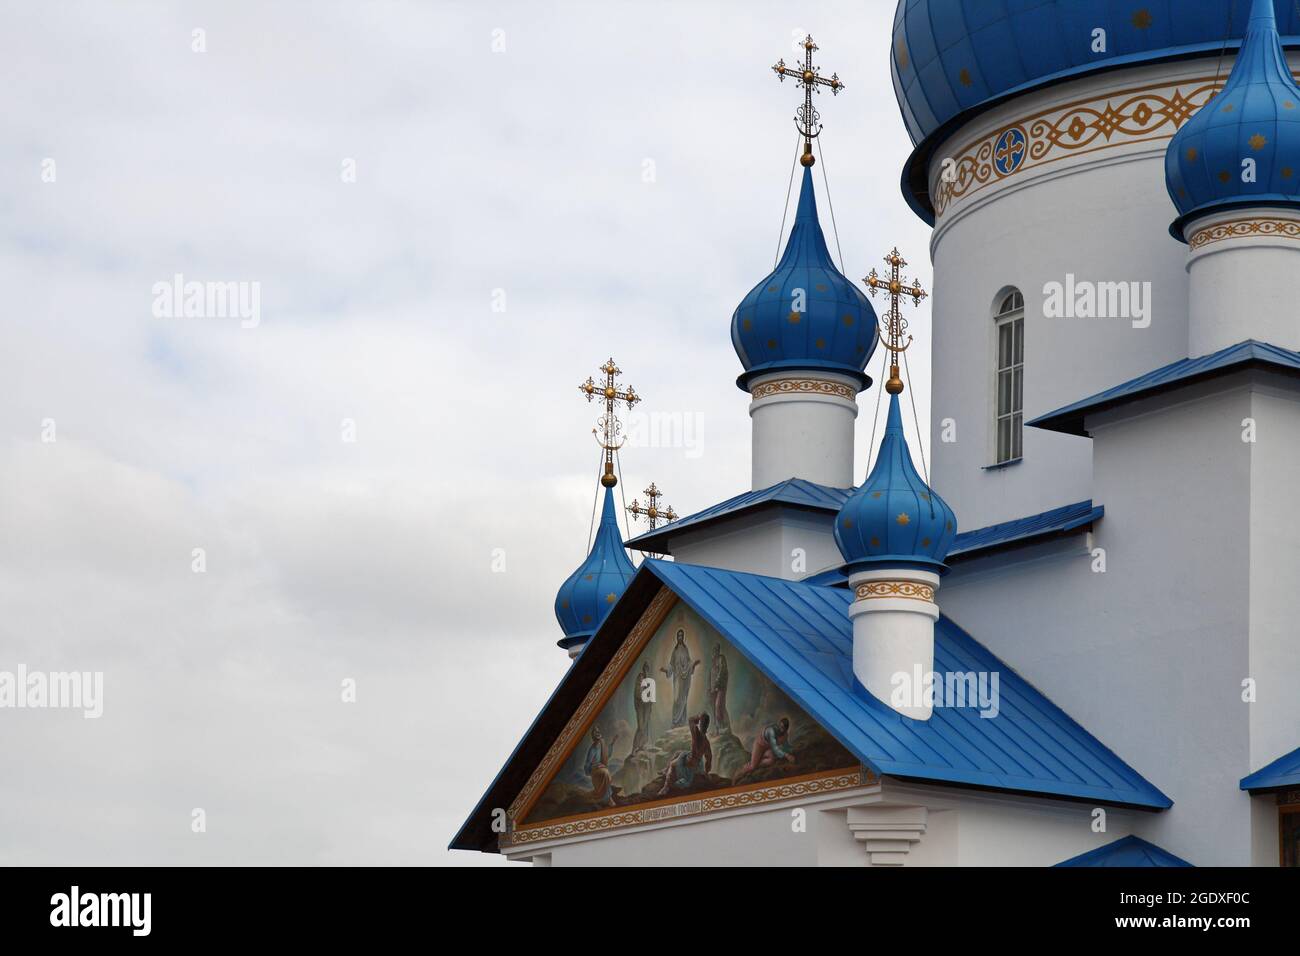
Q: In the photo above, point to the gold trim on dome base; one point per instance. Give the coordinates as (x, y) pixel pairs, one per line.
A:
(911, 590)
(1120, 118)
(709, 803)
(1245, 229)
(803, 386)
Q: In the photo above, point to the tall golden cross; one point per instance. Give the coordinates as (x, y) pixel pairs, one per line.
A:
(809, 79)
(608, 426)
(892, 324)
(652, 512)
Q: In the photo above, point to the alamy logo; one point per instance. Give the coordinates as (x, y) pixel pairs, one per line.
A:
(69, 690)
(1082, 299)
(179, 299)
(980, 690)
(102, 909)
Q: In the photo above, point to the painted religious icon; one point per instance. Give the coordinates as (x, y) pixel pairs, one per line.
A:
(690, 716)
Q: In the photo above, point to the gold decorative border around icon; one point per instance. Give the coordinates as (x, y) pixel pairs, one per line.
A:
(614, 820)
(911, 590)
(1245, 229)
(600, 691)
(803, 386)
(1120, 118)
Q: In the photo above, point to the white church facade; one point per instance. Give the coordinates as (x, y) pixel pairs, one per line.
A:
(1068, 635)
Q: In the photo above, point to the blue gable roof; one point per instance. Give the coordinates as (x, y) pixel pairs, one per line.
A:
(1282, 772)
(795, 492)
(800, 636)
(1174, 375)
(1127, 851)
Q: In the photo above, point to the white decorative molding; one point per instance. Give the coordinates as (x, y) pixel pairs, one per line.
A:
(887, 833)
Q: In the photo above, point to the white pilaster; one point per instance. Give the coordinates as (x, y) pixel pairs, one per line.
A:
(803, 428)
(1241, 267)
(893, 616)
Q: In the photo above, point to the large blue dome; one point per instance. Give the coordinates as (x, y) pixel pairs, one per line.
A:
(590, 591)
(836, 329)
(894, 519)
(953, 58)
(1255, 116)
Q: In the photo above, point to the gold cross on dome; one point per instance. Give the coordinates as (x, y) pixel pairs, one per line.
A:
(608, 426)
(652, 512)
(892, 324)
(809, 80)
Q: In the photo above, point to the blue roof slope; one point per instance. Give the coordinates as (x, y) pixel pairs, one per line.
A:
(793, 491)
(800, 636)
(970, 544)
(1282, 772)
(1183, 372)
(1056, 521)
(1126, 851)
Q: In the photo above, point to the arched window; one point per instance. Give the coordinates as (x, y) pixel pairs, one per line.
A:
(1008, 388)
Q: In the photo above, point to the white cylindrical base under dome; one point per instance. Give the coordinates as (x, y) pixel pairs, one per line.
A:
(893, 616)
(1242, 267)
(803, 428)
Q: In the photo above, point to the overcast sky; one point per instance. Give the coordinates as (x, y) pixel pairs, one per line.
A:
(616, 170)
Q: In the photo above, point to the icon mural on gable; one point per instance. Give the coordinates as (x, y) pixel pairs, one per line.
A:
(691, 716)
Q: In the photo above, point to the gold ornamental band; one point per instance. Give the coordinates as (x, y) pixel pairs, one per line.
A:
(911, 590)
(1245, 229)
(804, 386)
(1123, 117)
(843, 780)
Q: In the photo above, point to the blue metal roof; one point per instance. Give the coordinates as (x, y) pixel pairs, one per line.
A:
(1069, 419)
(1126, 851)
(1253, 117)
(1056, 521)
(970, 544)
(1282, 772)
(800, 636)
(793, 491)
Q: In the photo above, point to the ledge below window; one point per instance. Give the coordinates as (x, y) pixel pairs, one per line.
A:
(1002, 464)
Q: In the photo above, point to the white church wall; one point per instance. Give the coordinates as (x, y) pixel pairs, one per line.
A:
(1099, 213)
(784, 544)
(1274, 662)
(1149, 654)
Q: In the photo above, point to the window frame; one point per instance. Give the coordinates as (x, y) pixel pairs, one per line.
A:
(1007, 443)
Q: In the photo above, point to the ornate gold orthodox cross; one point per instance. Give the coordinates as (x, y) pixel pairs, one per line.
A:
(608, 426)
(652, 512)
(809, 80)
(892, 324)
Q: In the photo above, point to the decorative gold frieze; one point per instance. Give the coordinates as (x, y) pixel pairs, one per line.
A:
(1245, 229)
(804, 386)
(912, 590)
(844, 780)
(1133, 115)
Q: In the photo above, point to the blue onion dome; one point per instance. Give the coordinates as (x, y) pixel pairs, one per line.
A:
(590, 591)
(952, 58)
(1255, 116)
(894, 519)
(834, 331)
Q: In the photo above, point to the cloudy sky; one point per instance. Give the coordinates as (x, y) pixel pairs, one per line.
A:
(453, 213)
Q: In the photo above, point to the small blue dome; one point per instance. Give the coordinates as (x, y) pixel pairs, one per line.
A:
(835, 331)
(588, 594)
(894, 518)
(1255, 116)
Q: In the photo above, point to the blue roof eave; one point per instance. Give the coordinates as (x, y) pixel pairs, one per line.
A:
(1070, 420)
(1281, 773)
